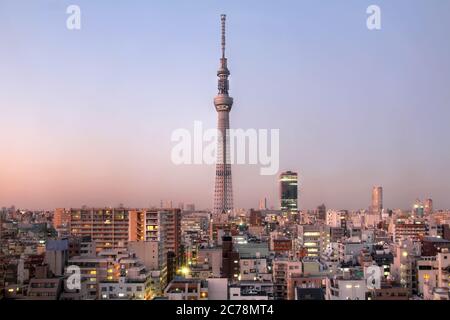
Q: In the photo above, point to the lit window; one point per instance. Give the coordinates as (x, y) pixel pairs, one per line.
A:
(310, 244)
(311, 234)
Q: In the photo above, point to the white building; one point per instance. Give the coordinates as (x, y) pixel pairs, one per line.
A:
(127, 289)
(217, 288)
(254, 269)
(336, 219)
(339, 288)
(251, 290)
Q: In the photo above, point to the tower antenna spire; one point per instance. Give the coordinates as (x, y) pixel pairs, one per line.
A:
(223, 18)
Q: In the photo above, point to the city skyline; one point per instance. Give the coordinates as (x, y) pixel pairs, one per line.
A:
(94, 125)
(124, 175)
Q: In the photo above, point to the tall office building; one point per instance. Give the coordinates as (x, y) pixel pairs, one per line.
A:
(263, 204)
(377, 200)
(223, 191)
(289, 191)
(418, 209)
(428, 206)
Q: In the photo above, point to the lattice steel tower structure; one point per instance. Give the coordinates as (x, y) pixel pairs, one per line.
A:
(223, 190)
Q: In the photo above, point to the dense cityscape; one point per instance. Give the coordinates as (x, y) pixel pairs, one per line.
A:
(184, 253)
(177, 251)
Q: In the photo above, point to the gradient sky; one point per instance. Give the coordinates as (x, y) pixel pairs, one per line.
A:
(86, 116)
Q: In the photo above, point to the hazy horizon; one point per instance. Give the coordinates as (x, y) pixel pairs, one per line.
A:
(87, 115)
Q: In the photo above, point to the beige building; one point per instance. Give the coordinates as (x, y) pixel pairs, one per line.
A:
(109, 228)
(187, 289)
(377, 200)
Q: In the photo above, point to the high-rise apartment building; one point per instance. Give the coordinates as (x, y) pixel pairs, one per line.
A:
(409, 230)
(163, 225)
(109, 228)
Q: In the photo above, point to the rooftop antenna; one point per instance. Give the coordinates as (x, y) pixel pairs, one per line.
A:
(223, 17)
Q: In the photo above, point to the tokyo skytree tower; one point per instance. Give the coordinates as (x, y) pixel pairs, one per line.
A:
(223, 191)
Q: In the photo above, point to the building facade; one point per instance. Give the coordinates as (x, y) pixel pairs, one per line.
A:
(289, 192)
